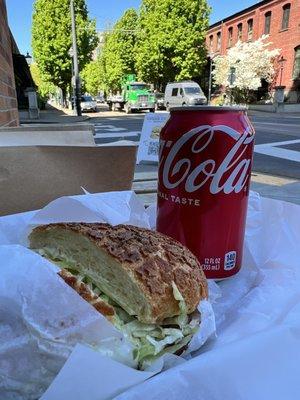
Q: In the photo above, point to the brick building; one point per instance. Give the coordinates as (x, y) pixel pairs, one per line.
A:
(280, 19)
(8, 102)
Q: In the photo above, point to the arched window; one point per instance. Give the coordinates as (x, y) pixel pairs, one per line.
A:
(285, 16)
(219, 41)
(240, 31)
(268, 16)
(211, 42)
(296, 71)
(230, 36)
(250, 29)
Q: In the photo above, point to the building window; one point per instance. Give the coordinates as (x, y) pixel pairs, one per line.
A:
(250, 29)
(285, 16)
(230, 35)
(296, 72)
(240, 31)
(211, 42)
(219, 41)
(267, 22)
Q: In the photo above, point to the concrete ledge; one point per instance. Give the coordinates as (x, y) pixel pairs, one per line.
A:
(262, 107)
(50, 127)
(292, 108)
(272, 108)
(68, 119)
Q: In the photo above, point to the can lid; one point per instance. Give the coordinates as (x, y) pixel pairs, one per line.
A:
(208, 108)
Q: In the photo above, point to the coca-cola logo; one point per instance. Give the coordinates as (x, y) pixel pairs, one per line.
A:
(235, 164)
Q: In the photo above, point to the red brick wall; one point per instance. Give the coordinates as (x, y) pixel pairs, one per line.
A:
(8, 101)
(286, 40)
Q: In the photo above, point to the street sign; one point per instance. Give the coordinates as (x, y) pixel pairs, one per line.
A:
(149, 142)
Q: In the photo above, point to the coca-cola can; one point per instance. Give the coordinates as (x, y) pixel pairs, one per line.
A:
(203, 184)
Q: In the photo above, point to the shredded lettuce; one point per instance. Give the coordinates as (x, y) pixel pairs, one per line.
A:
(153, 340)
(149, 340)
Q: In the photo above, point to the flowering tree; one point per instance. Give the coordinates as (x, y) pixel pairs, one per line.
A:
(250, 61)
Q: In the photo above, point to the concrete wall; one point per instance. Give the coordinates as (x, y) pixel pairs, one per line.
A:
(8, 101)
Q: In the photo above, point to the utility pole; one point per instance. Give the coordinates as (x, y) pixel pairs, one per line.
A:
(76, 78)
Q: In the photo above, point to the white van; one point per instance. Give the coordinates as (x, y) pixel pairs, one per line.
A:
(185, 93)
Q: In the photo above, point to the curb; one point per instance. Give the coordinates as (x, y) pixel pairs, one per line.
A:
(41, 121)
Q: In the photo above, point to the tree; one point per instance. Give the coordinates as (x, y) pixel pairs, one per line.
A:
(44, 87)
(171, 40)
(117, 57)
(251, 62)
(51, 39)
(93, 77)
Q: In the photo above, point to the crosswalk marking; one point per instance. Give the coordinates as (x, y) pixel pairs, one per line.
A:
(105, 132)
(271, 149)
(109, 128)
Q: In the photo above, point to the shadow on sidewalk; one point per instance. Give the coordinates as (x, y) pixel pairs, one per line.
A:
(54, 115)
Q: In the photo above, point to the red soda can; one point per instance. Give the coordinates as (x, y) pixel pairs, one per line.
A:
(203, 184)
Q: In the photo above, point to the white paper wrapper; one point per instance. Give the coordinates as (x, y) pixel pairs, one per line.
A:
(112, 207)
(88, 367)
(42, 319)
(53, 318)
(257, 350)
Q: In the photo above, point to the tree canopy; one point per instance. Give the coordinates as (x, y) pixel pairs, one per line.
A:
(171, 40)
(51, 39)
(117, 57)
(93, 77)
(44, 87)
(251, 62)
(164, 41)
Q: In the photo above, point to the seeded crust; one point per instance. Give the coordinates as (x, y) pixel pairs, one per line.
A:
(87, 294)
(152, 259)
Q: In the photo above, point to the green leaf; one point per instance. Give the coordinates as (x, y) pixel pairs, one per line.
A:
(171, 40)
(51, 39)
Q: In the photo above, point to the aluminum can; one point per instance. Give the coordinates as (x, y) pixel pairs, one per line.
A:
(205, 161)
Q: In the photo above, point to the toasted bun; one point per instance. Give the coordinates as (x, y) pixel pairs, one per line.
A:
(87, 294)
(133, 266)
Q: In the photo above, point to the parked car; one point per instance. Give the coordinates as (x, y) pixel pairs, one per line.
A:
(87, 103)
(186, 93)
(159, 101)
(100, 99)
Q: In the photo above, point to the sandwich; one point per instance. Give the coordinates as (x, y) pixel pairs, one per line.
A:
(145, 283)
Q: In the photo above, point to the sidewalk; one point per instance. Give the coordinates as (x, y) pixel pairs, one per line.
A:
(276, 187)
(53, 115)
(258, 113)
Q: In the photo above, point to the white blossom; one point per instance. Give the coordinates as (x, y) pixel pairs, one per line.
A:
(252, 62)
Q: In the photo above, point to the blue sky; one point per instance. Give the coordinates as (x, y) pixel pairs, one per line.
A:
(105, 11)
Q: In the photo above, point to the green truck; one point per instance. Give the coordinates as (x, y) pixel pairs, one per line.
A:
(135, 96)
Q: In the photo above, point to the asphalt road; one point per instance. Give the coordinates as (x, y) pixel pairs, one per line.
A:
(277, 150)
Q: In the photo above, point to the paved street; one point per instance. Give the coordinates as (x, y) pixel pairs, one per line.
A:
(276, 171)
(277, 150)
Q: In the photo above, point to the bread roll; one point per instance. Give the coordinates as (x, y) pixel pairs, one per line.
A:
(137, 268)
